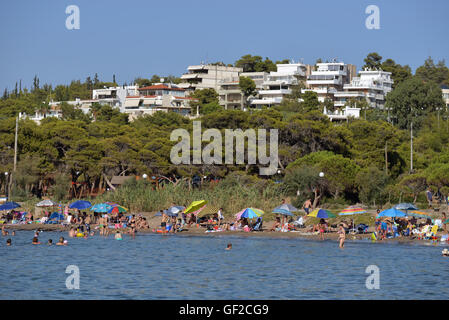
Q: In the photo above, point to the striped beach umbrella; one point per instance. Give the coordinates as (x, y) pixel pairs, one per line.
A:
(419, 214)
(249, 213)
(351, 210)
(322, 214)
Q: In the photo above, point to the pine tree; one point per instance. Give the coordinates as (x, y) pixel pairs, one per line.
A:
(35, 83)
(113, 80)
(5, 94)
(89, 83)
(96, 81)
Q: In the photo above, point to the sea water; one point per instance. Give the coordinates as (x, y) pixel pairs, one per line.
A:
(153, 266)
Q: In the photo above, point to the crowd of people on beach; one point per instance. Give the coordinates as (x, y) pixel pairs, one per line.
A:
(83, 225)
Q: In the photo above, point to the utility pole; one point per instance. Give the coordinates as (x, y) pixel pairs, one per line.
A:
(15, 158)
(411, 147)
(15, 144)
(438, 116)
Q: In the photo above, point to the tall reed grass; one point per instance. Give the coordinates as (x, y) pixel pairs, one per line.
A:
(139, 196)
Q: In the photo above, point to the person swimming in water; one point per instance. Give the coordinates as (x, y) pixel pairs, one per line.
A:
(36, 241)
(229, 247)
(8, 242)
(61, 242)
(50, 242)
(118, 235)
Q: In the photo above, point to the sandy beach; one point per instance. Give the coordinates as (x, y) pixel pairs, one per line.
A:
(200, 231)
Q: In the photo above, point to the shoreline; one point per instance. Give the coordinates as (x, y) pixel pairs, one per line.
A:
(255, 234)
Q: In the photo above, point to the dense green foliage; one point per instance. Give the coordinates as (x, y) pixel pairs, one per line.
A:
(363, 160)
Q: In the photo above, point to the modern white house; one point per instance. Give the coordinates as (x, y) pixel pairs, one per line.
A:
(114, 96)
(342, 114)
(165, 97)
(230, 96)
(207, 76)
(445, 90)
(329, 78)
(279, 83)
(53, 112)
(370, 85)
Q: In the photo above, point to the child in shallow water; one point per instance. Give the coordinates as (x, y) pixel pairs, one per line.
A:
(118, 235)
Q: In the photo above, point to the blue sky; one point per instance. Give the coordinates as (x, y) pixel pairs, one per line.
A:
(140, 38)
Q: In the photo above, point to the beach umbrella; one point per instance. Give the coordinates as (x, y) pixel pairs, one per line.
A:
(286, 206)
(80, 205)
(9, 205)
(46, 203)
(284, 212)
(176, 209)
(419, 214)
(351, 210)
(392, 213)
(249, 213)
(101, 207)
(195, 206)
(116, 208)
(405, 206)
(322, 214)
(208, 209)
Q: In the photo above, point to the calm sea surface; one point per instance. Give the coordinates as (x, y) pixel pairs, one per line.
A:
(187, 267)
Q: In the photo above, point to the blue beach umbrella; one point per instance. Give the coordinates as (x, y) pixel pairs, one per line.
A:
(283, 212)
(9, 205)
(392, 213)
(80, 205)
(101, 207)
(286, 206)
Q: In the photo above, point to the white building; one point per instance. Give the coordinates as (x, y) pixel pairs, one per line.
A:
(278, 84)
(329, 78)
(370, 85)
(114, 96)
(158, 97)
(53, 112)
(207, 76)
(445, 90)
(343, 114)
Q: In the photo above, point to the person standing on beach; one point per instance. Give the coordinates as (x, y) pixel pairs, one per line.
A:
(220, 216)
(444, 218)
(341, 236)
(307, 205)
(429, 197)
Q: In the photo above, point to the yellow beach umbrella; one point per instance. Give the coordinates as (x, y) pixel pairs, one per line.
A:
(195, 205)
